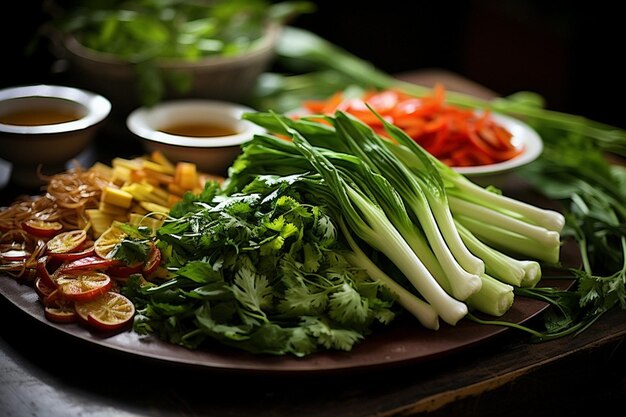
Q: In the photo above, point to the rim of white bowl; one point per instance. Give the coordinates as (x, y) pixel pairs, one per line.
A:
(97, 107)
(138, 122)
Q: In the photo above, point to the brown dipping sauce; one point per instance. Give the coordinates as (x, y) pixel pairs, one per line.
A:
(199, 130)
(38, 116)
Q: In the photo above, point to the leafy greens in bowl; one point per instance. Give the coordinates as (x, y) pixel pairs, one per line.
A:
(164, 40)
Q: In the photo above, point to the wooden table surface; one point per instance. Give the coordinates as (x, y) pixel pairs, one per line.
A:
(44, 372)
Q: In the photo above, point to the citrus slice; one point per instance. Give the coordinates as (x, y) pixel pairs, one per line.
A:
(111, 311)
(108, 240)
(42, 228)
(66, 241)
(83, 286)
(60, 313)
(58, 309)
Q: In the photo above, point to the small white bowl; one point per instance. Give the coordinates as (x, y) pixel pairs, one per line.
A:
(46, 125)
(211, 154)
(524, 137)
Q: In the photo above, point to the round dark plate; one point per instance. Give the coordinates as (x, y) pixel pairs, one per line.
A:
(403, 342)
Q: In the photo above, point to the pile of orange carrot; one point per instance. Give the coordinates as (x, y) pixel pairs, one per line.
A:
(456, 136)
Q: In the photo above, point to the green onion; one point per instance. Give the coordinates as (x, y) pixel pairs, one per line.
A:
(388, 195)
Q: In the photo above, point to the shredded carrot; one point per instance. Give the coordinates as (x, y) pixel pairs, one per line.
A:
(458, 137)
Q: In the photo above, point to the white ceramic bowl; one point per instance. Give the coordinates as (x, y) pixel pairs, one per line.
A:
(211, 154)
(46, 126)
(524, 137)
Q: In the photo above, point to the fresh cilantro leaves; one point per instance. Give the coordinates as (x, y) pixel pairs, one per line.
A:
(260, 270)
(576, 172)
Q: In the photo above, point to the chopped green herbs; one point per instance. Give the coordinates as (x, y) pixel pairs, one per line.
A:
(261, 271)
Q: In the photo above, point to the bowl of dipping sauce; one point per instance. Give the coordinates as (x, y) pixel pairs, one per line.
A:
(42, 127)
(208, 133)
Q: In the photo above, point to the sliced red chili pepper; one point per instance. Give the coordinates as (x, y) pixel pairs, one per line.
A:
(153, 262)
(88, 263)
(124, 270)
(44, 273)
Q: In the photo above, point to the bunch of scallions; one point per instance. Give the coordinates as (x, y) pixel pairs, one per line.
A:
(443, 245)
(580, 167)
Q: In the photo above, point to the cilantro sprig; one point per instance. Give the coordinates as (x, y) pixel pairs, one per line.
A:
(259, 270)
(576, 172)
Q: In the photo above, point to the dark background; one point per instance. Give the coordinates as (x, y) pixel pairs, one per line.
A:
(569, 52)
